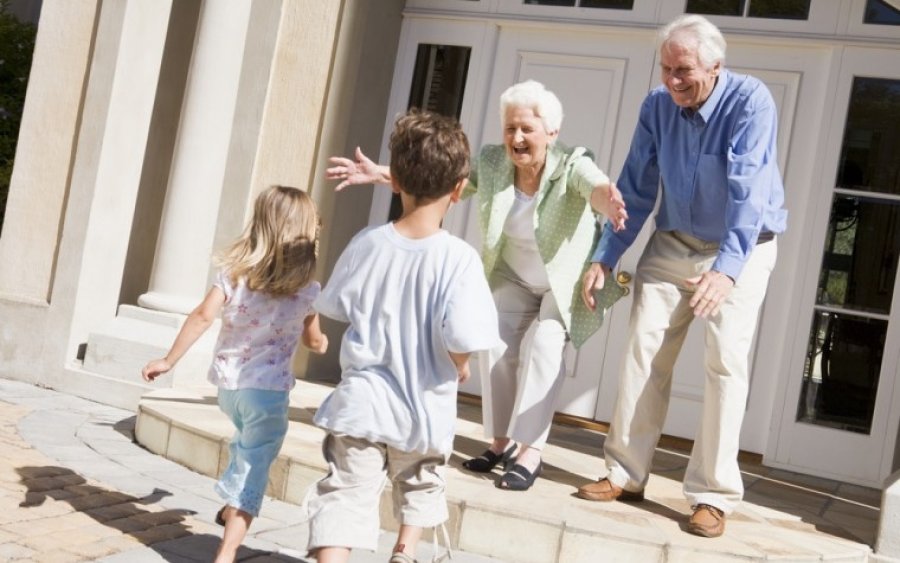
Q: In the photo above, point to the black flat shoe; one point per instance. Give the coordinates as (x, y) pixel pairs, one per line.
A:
(488, 460)
(518, 478)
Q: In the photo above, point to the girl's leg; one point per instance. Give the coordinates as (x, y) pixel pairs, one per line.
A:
(237, 522)
(262, 420)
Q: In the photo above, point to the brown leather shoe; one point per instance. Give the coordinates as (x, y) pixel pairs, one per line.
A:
(707, 521)
(605, 491)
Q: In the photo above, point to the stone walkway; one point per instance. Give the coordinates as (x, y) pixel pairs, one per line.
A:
(75, 487)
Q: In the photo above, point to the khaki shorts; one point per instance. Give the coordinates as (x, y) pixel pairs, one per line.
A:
(343, 505)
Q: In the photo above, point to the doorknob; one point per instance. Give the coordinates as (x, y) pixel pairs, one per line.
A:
(624, 278)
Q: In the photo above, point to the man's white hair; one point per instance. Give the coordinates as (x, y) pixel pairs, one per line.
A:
(710, 42)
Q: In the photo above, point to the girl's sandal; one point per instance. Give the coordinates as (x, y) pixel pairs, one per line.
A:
(220, 516)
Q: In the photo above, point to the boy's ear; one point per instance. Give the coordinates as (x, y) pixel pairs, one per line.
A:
(395, 187)
(456, 194)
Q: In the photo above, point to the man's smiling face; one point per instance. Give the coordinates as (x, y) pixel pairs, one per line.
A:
(687, 79)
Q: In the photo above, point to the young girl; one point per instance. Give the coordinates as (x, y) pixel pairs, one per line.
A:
(265, 285)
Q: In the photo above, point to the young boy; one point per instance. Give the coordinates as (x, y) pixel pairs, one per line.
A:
(418, 304)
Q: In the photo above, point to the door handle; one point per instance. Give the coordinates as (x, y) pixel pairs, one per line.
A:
(624, 278)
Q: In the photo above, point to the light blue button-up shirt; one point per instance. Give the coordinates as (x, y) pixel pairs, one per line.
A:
(719, 172)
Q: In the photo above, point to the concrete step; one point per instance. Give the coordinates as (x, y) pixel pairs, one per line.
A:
(785, 516)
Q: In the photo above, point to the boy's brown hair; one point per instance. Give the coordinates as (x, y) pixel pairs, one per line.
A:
(429, 154)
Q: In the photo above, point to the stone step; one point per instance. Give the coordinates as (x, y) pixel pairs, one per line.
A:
(785, 516)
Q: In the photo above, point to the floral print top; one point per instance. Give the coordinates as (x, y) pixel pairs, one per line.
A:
(258, 336)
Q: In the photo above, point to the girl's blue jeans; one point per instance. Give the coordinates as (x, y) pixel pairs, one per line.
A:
(261, 419)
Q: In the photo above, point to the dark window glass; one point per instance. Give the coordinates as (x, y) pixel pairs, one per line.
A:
(776, 9)
(608, 4)
(438, 85)
(840, 379)
(870, 155)
(551, 2)
(880, 12)
(779, 9)
(715, 7)
(859, 261)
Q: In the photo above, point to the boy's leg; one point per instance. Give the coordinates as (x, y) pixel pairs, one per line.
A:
(418, 494)
(333, 554)
(343, 505)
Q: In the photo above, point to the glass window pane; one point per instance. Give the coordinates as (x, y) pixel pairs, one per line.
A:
(840, 378)
(870, 155)
(779, 9)
(859, 262)
(880, 12)
(551, 2)
(438, 85)
(715, 7)
(608, 4)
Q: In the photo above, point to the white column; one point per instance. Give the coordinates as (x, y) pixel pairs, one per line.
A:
(181, 263)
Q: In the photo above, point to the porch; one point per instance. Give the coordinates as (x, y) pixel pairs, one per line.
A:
(785, 516)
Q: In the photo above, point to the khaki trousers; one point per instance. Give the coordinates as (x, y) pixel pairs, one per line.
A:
(660, 318)
(519, 396)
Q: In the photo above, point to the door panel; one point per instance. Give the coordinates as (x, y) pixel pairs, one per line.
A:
(601, 80)
(841, 388)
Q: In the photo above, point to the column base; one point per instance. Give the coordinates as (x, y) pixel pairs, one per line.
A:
(138, 335)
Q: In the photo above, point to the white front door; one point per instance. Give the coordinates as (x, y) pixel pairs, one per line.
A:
(841, 402)
(600, 78)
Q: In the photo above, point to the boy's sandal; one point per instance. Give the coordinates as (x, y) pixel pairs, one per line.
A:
(220, 516)
(400, 557)
(488, 460)
(518, 478)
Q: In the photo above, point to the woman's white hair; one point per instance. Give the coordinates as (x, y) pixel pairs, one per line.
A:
(532, 94)
(710, 42)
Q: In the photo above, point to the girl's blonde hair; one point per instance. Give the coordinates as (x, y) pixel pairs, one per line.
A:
(276, 254)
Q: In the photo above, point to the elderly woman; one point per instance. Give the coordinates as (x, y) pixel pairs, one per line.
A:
(536, 203)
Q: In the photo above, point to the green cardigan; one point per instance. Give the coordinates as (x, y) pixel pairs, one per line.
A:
(565, 224)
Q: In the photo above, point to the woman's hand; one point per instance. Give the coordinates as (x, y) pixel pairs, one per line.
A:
(593, 280)
(355, 172)
(607, 199)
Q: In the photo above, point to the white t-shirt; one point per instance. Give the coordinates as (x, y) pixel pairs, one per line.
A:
(520, 250)
(258, 337)
(409, 303)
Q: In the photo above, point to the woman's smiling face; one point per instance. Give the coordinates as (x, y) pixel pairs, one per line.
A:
(525, 137)
(688, 81)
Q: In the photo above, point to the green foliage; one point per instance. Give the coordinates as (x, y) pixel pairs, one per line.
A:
(16, 48)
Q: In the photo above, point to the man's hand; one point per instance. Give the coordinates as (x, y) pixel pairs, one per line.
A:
(593, 280)
(710, 290)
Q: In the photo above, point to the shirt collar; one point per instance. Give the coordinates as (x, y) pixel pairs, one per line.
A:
(706, 110)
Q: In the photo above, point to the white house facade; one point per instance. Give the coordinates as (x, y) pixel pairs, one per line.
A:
(151, 124)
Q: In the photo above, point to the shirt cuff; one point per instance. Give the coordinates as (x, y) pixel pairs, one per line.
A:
(729, 265)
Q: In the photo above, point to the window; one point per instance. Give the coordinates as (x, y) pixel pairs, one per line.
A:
(771, 9)
(608, 4)
(884, 12)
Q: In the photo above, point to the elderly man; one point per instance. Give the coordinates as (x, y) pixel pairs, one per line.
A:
(709, 136)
